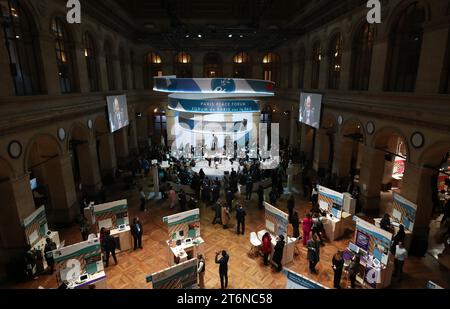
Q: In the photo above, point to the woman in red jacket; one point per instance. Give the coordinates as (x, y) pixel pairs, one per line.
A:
(266, 247)
(306, 228)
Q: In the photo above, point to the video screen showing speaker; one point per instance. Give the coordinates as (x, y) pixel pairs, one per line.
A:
(310, 109)
(117, 112)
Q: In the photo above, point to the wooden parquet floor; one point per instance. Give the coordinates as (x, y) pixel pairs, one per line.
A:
(244, 272)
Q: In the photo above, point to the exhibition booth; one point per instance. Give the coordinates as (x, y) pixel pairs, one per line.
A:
(337, 219)
(300, 282)
(80, 266)
(372, 244)
(180, 276)
(185, 242)
(112, 216)
(36, 233)
(277, 223)
(403, 212)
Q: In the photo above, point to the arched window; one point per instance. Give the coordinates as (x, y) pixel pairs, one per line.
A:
(152, 68)
(64, 56)
(241, 67)
(23, 50)
(110, 73)
(316, 60)
(334, 61)
(183, 65)
(271, 62)
(123, 69)
(212, 65)
(301, 68)
(405, 46)
(133, 73)
(90, 54)
(290, 70)
(362, 56)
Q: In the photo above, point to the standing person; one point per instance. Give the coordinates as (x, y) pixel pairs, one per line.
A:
(317, 227)
(136, 231)
(49, 247)
(249, 188)
(240, 218)
(229, 198)
(353, 270)
(385, 223)
(399, 237)
(218, 212)
(172, 197)
(110, 247)
(260, 197)
(201, 271)
(314, 196)
(278, 252)
(313, 255)
(30, 262)
(225, 216)
(83, 204)
(103, 239)
(400, 256)
(182, 199)
(266, 247)
(338, 266)
(290, 206)
(295, 221)
(306, 228)
(273, 197)
(223, 268)
(143, 199)
(84, 228)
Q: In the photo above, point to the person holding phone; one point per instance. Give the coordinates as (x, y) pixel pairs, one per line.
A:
(223, 268)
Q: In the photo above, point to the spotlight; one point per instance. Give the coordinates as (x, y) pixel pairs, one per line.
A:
(187, 36)
(138, 115)
(199, 36)
(241, 36)
(230, 36)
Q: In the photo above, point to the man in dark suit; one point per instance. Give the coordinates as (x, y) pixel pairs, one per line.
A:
(223, 268)
(240, 218)
(110, 248)
(136, 231)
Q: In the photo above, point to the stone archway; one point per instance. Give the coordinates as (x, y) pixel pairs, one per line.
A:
(52, 168)
(324, 143)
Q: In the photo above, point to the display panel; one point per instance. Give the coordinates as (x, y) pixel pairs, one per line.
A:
(310, 109)
(117, 112)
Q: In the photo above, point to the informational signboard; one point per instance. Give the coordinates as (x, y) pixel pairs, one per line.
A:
(180, 276)
(111, 215)
(331, 201)
(73, 261)
(297, 281)
(35, 226)
(373, 239)
(404, 211)
(277, 221)
(433, 286)
(184, 224)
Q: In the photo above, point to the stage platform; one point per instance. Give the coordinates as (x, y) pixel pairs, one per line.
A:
(213, 172)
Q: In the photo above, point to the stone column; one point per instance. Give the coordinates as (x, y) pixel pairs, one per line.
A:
(117, 73)
(308, 72)
(48, 60)
(17, 204)
(89, 169)
(342, 158)
(7, 88)
(107, 153)
(377, 69)
(417, 189)
(133, 141)
(121, 144)
(170, 122)
(323, 78)
(59, 179)
(81, 68)
(372, 169)
(293, 127)
(432, 56)
(306, 142)
(321, 150)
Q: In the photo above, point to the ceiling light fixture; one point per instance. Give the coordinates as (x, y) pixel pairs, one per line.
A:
(187, 36)
(230, 35)
(199, 36)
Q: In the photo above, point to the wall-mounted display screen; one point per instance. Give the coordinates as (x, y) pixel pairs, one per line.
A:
(310, 109)
(117, 112)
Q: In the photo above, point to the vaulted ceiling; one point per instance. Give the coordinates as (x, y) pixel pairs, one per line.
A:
(227, 24)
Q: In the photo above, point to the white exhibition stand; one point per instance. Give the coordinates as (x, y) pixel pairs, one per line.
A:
(99, 279)
(408, 234)
(335, 228)
(124, 237)
(288, 254)
(181, 253)
(349, 204)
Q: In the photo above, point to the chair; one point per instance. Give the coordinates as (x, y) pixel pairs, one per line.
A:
(256, 243)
